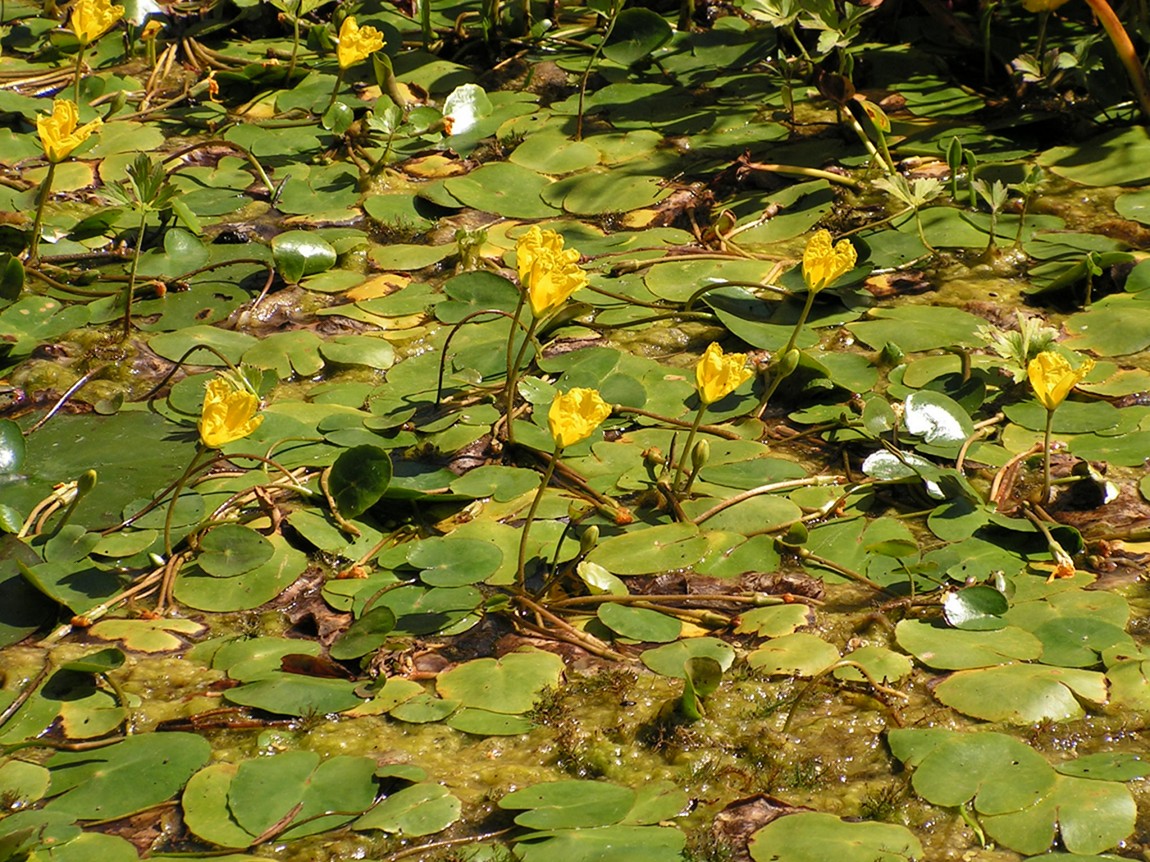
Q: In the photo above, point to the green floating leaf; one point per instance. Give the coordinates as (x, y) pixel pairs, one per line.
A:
(650, 550)
(951, 649)
(366, 634)
(293, 694)
(22, 783)
(1022, 693)
(98, 662)
(482, 722)
(129, 776)
(776, 621)
(938, 419)
(818, 837)
(671, 660)
(882, 664)
(199, 590)
(919, 327)
(619, 843)
(569, 804)
(1091, 816)
(799, 654)
(265, 790)
(359, 477)
(149, 636)
(637, 33)
(229, 550)
(998, 772)
(977, 608)
(510, 685)
(1107, 160)
(450, 562)
(421, 809)
(11, 447)
(641, 624)
(1106, 766)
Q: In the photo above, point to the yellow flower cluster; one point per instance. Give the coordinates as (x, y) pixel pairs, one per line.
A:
(356, 43)
(91, 19)
(58, 131)
(548, 272)
(823, 264)
(717, 375)
(229, 413)
(1052, 377)
(575, 414)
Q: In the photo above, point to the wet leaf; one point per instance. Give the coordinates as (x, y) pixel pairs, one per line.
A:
(421, 809)
(799, 654)
(814, 837)
(639, 624)
(951, 649)
(509, 685)
(359, 477)
(569, 804)
(231, 549)
(1022, 693)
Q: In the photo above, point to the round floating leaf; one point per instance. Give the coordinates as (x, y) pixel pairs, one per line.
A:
(938, 419)
(293, 694)
(205, 807)
(1107, 766)
(266, 789)
(366, 634)
(1091, 815)
(97, 662)
(508, 685)
(977, 608)
(637, 33)
(1022, 693)
(203, 592)
(359, 477)
(423, 709)
(818, 837)
(448, 562)
(671, 660)
(129, 776)
(951, 649)
(1000, 773)
(650, 550)
(11, 446)
(1110, 159)
(481, 722)
(150, 636)
(641, 624)
(233, 549)
(919, 327)
(1112, 326)
(417, 810)
(619, 843)
(882, 664)
(592, 193)
(776, 621)
(504, 189)
(799, 654)
(569, 804)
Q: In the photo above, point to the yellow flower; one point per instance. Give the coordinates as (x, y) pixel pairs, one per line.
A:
(229, 413)
(1052, 377)
(548, 272)
(356, 43)
(718, 375)
(58, 132)
(91, 19)
(1041, 5)
(575, 414)
(822, 264)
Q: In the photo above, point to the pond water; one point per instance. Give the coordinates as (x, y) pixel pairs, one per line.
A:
(505, 431)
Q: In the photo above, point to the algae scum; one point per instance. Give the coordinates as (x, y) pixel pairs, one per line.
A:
(524, 431)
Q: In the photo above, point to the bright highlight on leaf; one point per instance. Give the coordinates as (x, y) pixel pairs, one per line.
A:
(230, 413)
(824, 264)
(91, 19)
(356, 43)
(717, 374)
(1052, 377)
(548, 272)
(58, 131)
(575, 414)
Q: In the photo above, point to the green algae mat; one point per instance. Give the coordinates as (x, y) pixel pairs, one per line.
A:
(522, 431)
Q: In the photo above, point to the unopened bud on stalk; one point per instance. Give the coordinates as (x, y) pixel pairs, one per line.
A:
(699, 455)
(588, 540)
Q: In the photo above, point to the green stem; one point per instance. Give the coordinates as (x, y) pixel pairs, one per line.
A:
(38, 224)
(513, 371)
(177, 490)
(690, 441)
(1046, 457)
(799, 323)
(130, 290)
(294, 44)
(521, 565)
(616, 8)
(79, 74)
(335, 90)
(1040, 49)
